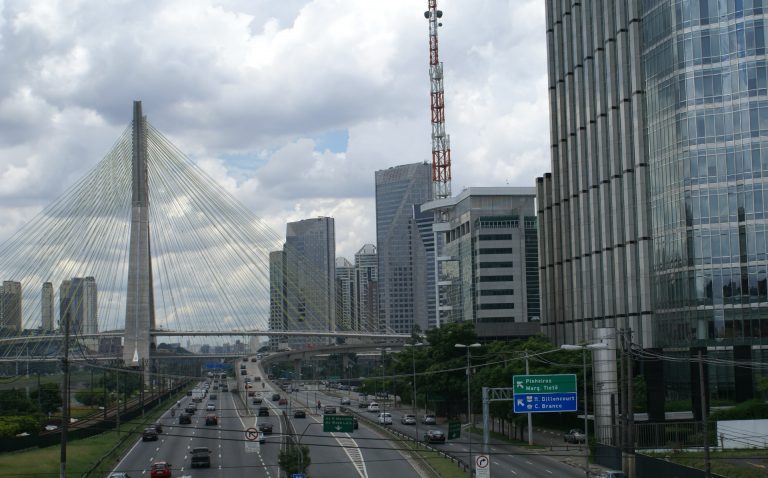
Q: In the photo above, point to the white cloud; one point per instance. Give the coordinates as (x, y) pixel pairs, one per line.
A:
(262, 79)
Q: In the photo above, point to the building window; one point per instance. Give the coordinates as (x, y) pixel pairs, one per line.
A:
(497, 292)
(497, 278)
(496, 250)
(495, 265)
(496, 306)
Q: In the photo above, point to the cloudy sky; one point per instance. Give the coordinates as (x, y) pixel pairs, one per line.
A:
(291, 105)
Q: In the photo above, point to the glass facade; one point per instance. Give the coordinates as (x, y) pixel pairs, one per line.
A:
(706, 86)
(405, 245)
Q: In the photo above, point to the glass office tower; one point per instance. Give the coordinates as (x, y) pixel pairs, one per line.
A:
(654, 215)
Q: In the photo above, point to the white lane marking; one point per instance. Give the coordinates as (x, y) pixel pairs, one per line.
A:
(352, 450)
(547, 471)
(528, 462)
(513, 471)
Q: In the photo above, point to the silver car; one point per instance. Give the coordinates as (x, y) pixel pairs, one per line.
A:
(408, 420)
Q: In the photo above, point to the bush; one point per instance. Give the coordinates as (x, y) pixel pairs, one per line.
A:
(11, 426)
(748, 410)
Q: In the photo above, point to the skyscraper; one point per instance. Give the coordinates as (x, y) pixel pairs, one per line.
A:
(277, 296)
(78, 302)
(346, 310)
(654, 216)
(309, 275)
(366, 288)
(46, 307)
(489, 256)
(405, 248)
(10, 306)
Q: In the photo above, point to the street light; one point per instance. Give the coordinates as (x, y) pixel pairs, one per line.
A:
(413, 364)
(584, 348)
(386, 395)
(469, 407)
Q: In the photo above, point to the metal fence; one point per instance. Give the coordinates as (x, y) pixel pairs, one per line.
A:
(665, 435)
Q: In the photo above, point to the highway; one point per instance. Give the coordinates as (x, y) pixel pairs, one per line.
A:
(363, 453)
(506, 460)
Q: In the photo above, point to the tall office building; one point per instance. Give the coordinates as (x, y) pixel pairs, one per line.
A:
(277, 297)
(654, 216)
(10, 306)
(489, 257)
(366, 288)
(309, 275)
(78, 302)
(345, 295)
(405, 245)
(46, 307)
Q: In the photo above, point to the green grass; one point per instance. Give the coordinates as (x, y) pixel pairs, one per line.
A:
(444, 467)
(506, 439)
(81, 454)
(719, 462)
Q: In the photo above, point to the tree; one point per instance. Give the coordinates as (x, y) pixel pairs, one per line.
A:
(49, 397)
(289, 459)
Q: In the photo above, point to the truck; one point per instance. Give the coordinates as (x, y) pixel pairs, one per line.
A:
(201, 457)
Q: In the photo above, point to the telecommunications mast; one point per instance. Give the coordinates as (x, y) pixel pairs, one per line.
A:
(441, 142)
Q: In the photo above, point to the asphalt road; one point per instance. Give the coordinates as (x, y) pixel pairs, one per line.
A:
(505, 460)
(363, 453)
(231, 452)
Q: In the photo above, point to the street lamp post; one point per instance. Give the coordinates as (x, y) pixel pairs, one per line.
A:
(413, 366)
(469, 403)
(584, 349)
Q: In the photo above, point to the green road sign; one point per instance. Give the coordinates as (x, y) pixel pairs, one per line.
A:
(338, 423)
(563, 383)
(454, 430)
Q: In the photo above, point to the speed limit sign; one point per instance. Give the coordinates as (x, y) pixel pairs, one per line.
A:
(482, 466)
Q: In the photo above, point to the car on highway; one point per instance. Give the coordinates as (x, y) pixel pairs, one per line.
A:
(251, 393)
(373, 407)
(158, 427)
(408, 419)
(185, 419)
(275, 397)
(434, 436)
(213, 396)
(385, 418)
(265, 428)
(282, 401)
(299, 414)
(210, 407)
(345, 401)
(201, 457)
(574, 435)
(263, 411)
(428, 420)
(149, 434)
(160, 469)
(119, 474)
(191, 409)
(329, 410)
(612, 474)
(363, 404)
(257, 400)
(211, 419)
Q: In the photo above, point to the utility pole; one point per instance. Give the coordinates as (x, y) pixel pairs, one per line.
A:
(65, 402)
(117, 394)
(530, 416)
(704, 417)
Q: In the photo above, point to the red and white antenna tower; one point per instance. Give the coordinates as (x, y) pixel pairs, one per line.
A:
(441, 142)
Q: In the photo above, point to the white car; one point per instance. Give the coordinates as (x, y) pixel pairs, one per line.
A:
(211, 407)
(345, 400)
(385, 418)
(373, 407)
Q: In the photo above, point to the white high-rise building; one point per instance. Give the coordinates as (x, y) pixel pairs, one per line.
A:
(346, 311)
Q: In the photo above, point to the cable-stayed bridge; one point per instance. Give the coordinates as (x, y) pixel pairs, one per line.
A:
(148, 247)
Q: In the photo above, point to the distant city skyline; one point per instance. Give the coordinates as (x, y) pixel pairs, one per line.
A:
(287, 147)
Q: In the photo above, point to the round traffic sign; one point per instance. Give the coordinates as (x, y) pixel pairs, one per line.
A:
(251, 434)
(481, 461)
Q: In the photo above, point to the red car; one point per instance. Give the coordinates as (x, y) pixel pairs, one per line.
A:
(283, 401)
(160, 469)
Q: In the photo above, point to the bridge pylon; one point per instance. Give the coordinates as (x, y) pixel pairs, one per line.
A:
(138, 344)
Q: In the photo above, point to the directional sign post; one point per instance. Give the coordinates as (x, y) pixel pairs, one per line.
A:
(482, 466)
(544, 393)
(338, 423)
